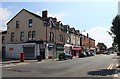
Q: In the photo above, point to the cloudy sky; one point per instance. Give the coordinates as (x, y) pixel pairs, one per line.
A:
(94, 17)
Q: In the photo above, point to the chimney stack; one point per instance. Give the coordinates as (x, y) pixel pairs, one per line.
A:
(44, 14)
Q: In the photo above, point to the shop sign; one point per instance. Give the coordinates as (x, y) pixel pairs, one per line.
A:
(50, 46)
(28, 45)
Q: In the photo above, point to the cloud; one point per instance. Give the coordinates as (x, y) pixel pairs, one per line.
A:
(38, 12)
(101, 35)
(59, 15)
(4, 14)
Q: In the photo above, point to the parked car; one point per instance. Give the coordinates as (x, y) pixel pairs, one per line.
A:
(106, 52)
(65, 56)
(92, 53)
(118, 54)
(88, 53)
(83, 54)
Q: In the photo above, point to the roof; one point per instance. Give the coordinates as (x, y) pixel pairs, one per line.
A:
(4, 32)
(28, 12)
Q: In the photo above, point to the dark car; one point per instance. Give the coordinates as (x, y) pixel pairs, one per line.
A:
(118, 54)
(92, 54)
(65, 56)
(83, 54)
(88, 53)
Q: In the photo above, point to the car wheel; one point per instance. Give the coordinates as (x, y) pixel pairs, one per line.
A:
(59, 58)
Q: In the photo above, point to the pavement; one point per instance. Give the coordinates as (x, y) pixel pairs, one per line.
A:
(15, 62)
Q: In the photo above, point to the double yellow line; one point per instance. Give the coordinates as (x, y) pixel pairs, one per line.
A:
(110, 67)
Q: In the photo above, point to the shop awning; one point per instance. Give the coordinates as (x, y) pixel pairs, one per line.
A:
(76, 49)
(67, 45)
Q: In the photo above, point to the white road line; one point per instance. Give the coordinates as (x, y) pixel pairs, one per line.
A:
(9, 65)
(15, 64)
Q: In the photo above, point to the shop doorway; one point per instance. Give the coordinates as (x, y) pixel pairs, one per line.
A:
(42, 53)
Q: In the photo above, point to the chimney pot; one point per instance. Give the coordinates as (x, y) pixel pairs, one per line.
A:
(44, 14)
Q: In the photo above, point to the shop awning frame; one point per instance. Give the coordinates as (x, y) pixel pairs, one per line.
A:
(76, 48)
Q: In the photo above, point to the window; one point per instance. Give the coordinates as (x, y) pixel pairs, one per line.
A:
(12, 37)
(33, 35)
(21, 36)
(3, 39)
(30, 23)
(51, 36)
(61, 38)
(68, 40)
(17, 24)
(67, 31)
(29, 35)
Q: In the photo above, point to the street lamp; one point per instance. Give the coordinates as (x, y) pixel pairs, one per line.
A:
(46, 25)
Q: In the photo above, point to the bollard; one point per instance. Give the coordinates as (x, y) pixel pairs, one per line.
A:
(22, 56)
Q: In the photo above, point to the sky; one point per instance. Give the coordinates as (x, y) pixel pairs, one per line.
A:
(94, 17)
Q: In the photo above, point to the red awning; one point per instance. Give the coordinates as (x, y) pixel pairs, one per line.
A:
(76, 49)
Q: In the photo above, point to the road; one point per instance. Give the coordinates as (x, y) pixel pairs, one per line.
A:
(94, 66)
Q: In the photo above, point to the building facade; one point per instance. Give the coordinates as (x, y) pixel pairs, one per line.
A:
(52, 36)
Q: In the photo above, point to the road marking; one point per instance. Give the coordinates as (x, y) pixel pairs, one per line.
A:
(115, 75)
(117, 65)
(9, 65)
(110, 66)
(116, 72)
(22, 63)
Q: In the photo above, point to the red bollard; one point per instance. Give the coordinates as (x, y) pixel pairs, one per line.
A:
(22, 56)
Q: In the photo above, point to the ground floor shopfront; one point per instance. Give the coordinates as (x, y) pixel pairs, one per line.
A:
(53, 50)
(76, 51)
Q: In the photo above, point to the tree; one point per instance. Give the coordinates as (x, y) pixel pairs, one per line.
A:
(115, 31)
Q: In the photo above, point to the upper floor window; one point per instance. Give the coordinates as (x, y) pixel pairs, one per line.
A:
(33, 35)
(67, 31)
(21, 36)
(68, 40)
(29, 35)
(17, 24)
(12, 37)
(30, 22)
(3, 39)
(61, 38)
(51, 36)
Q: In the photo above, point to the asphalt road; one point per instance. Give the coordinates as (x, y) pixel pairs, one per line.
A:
(94, 66)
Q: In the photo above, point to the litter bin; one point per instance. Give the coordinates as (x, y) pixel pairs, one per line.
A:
(39, 58)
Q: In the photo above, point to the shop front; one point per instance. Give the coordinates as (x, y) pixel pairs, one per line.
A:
(59, 49)
(76, 51)
(51, 50)
(68, 48)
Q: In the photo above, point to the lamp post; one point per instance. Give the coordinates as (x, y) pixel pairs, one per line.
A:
(46, 25)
